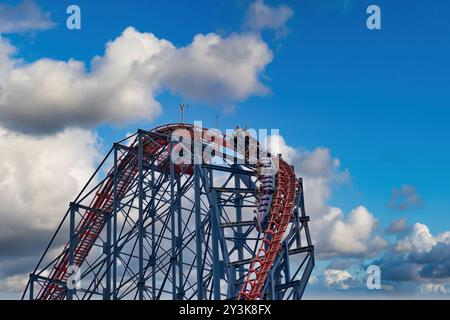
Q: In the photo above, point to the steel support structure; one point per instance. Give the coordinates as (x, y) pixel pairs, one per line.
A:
(167, 232)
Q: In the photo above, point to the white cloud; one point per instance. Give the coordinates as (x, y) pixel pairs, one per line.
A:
(334, 233)
(261, 16)
(433, 288)
(216, 69)
(26, 16)
(6, 64)
(312, 279)
(424, 248)
(354, 235)
(418, 240)
(337, 278)
(13, 284)
(418, 256)
(121, 86)
(40, 175)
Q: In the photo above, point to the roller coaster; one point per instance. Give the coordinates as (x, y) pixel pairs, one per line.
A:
(146, 227)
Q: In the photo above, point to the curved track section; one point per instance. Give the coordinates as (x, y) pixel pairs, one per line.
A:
(93, 220)
(280, 216)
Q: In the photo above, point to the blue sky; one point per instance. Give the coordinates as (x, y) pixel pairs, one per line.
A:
(377, 99)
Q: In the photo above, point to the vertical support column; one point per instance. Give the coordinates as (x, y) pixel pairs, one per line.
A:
(311, 261)
(296, 214)
(296, 295)
(303, 212)
(215, 248)
(297, 226)
(31, 297)
(108, 245)
(272, 286)
(286, 270)
(141, 218)
(153, 215)
(179, 241)
(238, 204)
(286, 267)
(107, 290)
(172, 222)
(115, 253)
(306, 274)
(215, 239)
(72, 244)
(198, 232)
(232, 287)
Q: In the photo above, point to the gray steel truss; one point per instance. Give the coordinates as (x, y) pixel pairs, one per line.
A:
(172, 234)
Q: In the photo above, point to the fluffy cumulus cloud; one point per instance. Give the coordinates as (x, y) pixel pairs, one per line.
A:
(430, 252)
(416, 259)
(434, 288)
(335, 233)
(418, 240)
(261, 16)
(217, 70)
(419, 257)
(337, 278)
(49, 95)
(354, 235)
(6, 64)
(122, 85)
(13, 284)
(39, 177)
(26, 16)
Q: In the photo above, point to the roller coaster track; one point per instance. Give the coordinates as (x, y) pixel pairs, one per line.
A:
(280, 215)
(93, 221)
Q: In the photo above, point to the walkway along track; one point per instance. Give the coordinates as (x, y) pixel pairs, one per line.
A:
(94, 220)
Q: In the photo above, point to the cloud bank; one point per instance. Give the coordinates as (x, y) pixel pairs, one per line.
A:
(39, 176)
(121, 86)
(335, 233)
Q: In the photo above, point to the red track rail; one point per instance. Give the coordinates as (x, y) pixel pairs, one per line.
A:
(93, 221)
(280, 216)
